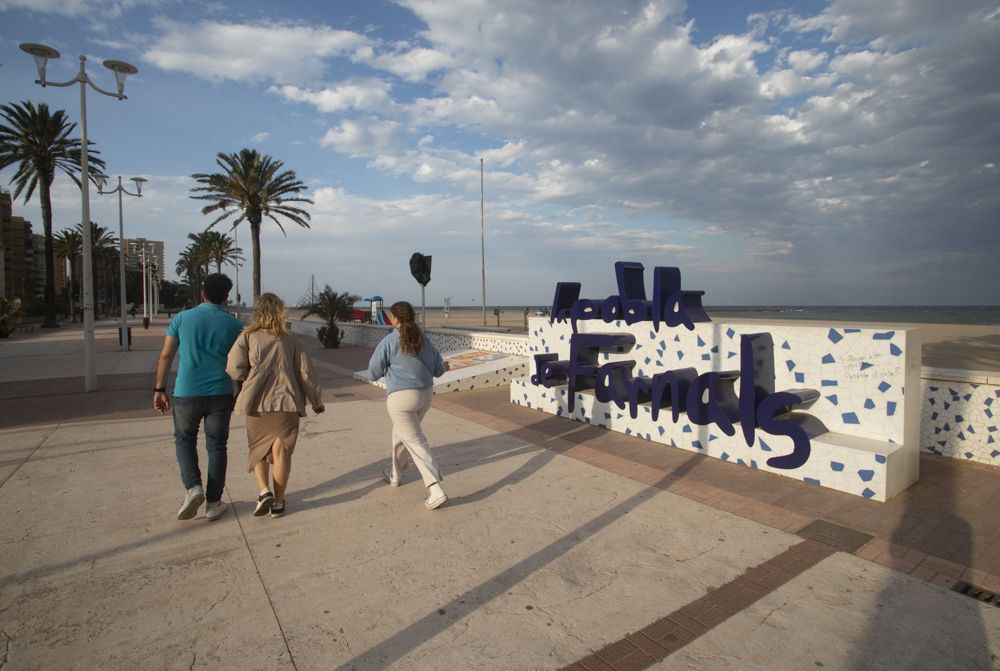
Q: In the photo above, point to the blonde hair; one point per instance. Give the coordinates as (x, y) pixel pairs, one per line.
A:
(411, 340)
(269, 315)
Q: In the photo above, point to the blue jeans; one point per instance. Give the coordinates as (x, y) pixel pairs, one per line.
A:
(189, 411)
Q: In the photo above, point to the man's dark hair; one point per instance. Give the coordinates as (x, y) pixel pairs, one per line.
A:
(217, 287)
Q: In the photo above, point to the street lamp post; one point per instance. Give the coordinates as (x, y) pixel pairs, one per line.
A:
(121, 190)
(121, 69)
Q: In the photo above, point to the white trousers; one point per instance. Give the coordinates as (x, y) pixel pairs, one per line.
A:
(406, 408)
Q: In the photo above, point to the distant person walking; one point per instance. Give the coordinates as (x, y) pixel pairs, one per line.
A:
(277, 379)
(409, 362)
(202, 392)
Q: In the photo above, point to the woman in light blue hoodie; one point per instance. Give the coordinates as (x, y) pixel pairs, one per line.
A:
(409, 362)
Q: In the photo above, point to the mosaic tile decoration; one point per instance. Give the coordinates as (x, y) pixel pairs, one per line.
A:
(960, 418)
(943, 430)
(860, 373)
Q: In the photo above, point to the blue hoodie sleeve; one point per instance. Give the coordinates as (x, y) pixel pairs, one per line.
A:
(379, 362)
(438, 361)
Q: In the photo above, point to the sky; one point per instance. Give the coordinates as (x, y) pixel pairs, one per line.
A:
(779, 152)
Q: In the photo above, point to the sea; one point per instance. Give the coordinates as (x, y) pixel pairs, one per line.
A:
(901, 314)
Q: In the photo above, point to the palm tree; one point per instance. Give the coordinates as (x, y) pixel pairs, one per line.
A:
(102, 240)
(38, 141)
(252, 186)
(220, 248)
(192, 266)
(331, 307)
(69, 245)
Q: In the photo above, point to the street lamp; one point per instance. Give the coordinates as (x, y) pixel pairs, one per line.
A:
(120, 190)
(145, 290)
(121, 69)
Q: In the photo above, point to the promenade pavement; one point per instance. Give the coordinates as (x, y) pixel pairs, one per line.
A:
(563, 546)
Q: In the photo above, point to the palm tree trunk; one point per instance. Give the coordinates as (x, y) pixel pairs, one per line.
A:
(255, 241)
(44, 193)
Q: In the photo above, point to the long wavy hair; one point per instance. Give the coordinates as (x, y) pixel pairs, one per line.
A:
(411, 340)
(269, 315)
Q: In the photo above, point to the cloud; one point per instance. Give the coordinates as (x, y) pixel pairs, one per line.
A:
(365, 137)
(216, 50)
(408, 62)
(260, 137)
(357, 94)
(108, 9)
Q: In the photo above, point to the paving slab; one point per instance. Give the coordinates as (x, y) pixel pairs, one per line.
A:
(847, 613)
(559, 541)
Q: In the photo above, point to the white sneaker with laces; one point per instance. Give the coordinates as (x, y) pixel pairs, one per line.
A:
(192, 501)
(435, 496)
(214, 511)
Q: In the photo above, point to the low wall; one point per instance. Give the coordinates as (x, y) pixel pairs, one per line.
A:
(959, 414)
(446, 340)
(959, 408)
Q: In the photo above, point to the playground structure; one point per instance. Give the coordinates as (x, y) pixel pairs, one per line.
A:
(372, 314)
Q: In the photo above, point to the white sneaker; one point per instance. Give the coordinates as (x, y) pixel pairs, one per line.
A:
(388, 477)
(192, 501)
(214, 511)
(435, 496)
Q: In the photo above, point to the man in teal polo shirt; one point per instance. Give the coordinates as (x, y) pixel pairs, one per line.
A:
(202, 391)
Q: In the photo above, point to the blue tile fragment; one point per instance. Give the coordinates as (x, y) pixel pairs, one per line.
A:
(828, 383)
(764, 446)
(701, 343)
(850, 418)
(811, 481)
(834, 336)
(833, 399)
(866, 475)
(888, 335)
(730, 333)
(894, 350)
(800, 377)
(696, 444)
(880, 458)
(867, 493)
(884, 386)
(836, 466)
(869, 404)
(890, 408)
(790, 364)
(724, 456)
(865, 365)
(785, 345)
(828, 358)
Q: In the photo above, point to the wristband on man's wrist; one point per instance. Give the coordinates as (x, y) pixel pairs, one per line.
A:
(161, 390)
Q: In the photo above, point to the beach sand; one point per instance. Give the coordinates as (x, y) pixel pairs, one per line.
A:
(961, 346)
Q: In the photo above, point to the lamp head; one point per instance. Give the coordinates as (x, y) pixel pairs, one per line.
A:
(100, 179)
(139, 181)
(121, 70)
(42, 54)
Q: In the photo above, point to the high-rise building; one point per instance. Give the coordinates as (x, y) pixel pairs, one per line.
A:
(154, 255)
(20, 277)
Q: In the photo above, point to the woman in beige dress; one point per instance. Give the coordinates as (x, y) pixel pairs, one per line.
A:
(278, 379)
